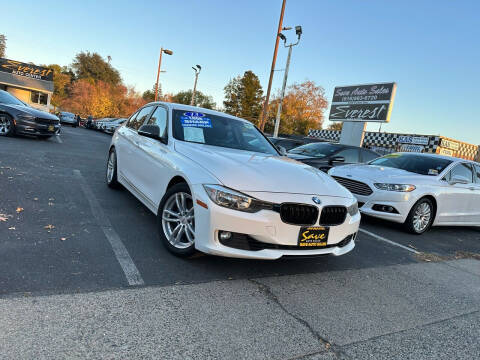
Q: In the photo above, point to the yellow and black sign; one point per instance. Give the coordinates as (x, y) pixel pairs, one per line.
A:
(26, 70)
(313, 236)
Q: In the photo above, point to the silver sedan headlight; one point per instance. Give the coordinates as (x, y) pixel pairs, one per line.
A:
(395, 187)
(231, 199)
(353, 209)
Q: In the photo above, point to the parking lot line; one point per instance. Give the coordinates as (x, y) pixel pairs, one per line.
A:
(381, 238)
(124, 259)
(59, 140)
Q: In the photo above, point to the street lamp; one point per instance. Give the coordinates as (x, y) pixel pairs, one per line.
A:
(197, 70)
(168, 52)
(298, 31)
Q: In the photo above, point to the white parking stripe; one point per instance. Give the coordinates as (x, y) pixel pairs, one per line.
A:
(59, 139)
(128, 266)
(381, 238)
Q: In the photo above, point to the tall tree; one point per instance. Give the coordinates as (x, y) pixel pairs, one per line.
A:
(88, 65)
(149, 95)
(244, 96)
(302, 109)
(3, 45)
(202, 100)
(101, 99)
(62, 78)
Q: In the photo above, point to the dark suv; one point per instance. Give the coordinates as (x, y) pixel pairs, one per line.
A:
(324, 156)
(18, 118)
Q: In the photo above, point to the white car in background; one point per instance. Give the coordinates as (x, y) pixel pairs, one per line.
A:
(217, 185)
(419, 190)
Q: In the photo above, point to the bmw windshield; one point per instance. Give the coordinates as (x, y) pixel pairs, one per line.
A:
(219, 131)
(418, 164)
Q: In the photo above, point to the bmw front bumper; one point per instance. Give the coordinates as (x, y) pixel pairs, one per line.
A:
(266, 227)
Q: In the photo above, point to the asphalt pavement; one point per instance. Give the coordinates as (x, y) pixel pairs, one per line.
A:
(84, 262)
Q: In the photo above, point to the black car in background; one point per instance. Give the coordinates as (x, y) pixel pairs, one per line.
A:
(290, 143)
(324, 156)
(18, 118)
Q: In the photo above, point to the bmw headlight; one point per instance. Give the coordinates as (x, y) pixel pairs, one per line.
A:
(395, 187)
(230, 198)
(353, 209)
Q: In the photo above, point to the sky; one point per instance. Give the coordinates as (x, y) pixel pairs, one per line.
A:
(431, 49)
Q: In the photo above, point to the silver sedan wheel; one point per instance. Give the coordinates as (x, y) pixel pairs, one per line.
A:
(422, 217)
(5, 125)
(111, 167)
(178, 221)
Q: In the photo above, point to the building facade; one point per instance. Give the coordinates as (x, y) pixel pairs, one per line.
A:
(391, 142)
(29, 83)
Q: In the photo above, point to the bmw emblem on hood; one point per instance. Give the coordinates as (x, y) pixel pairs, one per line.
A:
(316, 200)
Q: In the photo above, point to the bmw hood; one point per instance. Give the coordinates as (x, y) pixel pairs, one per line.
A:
(21, 110)
(255, 172)
(374, 173)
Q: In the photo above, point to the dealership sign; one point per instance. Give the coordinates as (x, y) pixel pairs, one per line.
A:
(372, 102)
(411, 148)
(418, 140)
(452, 145)
(26, 70)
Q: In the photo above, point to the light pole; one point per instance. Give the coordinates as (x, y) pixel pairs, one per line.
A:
(197, 70)
(168, 52)
(298, 31)
(263, 118)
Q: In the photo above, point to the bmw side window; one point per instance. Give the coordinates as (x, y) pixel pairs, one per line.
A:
(350, 155)
(159, 118)
(463, 170)
(141, 117)
(131, 120)
(477, 173)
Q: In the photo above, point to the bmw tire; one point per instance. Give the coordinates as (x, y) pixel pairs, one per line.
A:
(111, 174)
(176, 221)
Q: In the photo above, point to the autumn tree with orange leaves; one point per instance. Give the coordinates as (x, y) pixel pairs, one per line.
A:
(302, 109)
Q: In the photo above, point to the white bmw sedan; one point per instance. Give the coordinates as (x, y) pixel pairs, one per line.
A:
(217, 185)
(419, 190)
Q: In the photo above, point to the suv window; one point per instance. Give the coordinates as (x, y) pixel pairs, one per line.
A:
(137, 121)
(369, 155)
(477, 173)
(351, 155)
(462, 169)
(159, 117)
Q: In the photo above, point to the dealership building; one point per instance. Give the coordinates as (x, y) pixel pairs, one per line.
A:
(383, 143)
(29, 83)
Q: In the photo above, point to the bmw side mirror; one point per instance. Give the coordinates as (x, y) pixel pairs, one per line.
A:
(150, 131)
(337, 159)
(458, 179)
(282, 150)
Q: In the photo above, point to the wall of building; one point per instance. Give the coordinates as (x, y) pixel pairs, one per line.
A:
(25, 95)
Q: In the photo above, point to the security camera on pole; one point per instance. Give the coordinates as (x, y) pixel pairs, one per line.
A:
(197, 70)
(298, 31)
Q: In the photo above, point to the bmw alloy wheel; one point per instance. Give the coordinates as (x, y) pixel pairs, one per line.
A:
(110, 167)
(178, 221)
